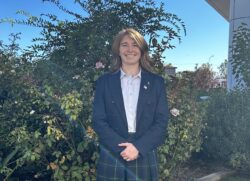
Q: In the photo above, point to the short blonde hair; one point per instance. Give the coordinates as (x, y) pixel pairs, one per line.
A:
(145, 61)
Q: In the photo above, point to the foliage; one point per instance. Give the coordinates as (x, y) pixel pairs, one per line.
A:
(241, 55)
(42, 135)
(223, 69)
(196, 83)
(204, 77)
(227, 133)
(184, 130)
(73, 44)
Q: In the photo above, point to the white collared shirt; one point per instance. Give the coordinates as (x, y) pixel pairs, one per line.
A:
(130, 90)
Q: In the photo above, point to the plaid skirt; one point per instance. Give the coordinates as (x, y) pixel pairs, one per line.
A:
(111, 168)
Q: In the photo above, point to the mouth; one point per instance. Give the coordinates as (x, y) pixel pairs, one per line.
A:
(130, 55)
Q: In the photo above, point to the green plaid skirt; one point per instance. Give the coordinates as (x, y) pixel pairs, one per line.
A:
(111, 168)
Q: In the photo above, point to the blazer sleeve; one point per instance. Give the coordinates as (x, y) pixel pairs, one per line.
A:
(156, 134)
(107, 136)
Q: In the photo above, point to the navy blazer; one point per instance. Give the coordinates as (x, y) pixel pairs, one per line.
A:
(109, 117)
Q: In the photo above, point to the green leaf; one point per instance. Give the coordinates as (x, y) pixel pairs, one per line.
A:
(80, 147)
(65, 167)
(33, 157)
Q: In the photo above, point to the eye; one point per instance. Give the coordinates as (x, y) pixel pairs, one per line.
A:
(124, 45)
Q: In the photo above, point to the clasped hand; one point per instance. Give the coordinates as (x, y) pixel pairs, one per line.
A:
(130, 152)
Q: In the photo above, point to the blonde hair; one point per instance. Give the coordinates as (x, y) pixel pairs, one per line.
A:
(145, 61)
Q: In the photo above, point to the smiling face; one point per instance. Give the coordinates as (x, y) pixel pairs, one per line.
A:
(129, 52)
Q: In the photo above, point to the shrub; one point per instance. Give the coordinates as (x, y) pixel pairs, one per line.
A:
(227, 134)
(184, 130)
(45, 132)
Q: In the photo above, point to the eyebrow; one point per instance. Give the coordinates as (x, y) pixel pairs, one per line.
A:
(125, 42)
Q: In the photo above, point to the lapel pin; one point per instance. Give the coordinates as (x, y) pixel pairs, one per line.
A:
(145, 86)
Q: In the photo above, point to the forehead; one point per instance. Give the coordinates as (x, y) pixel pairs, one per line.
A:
(127, 39)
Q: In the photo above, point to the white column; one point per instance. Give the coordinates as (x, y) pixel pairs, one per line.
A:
(239, 13)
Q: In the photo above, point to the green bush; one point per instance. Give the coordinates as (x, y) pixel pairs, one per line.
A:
(227, 134)
(184, 130)
(45, 132)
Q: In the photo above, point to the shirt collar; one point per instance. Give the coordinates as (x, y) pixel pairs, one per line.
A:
(123, 74)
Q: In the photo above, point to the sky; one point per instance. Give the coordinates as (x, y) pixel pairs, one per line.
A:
(206, 39)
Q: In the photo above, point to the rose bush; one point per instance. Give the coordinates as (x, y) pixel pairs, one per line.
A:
(185, 127)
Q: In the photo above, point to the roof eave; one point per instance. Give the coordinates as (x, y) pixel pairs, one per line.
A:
(221, 6)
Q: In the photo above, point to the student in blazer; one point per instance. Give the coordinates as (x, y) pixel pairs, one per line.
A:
(130, 113)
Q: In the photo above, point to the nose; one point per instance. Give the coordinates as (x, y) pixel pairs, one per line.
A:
(130, 48)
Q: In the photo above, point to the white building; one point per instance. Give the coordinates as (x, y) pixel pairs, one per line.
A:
(235, 12)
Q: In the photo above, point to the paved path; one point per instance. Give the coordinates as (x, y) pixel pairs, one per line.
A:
(216, 176)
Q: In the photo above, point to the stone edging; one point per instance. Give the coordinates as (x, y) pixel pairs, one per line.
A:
(216, 176)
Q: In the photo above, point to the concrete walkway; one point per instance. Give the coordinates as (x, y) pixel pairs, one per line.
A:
(216, 176)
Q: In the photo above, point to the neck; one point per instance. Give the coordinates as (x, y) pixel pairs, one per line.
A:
(131, 70)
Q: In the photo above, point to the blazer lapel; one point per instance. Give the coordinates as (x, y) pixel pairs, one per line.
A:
(145, 88)
(115, 88)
